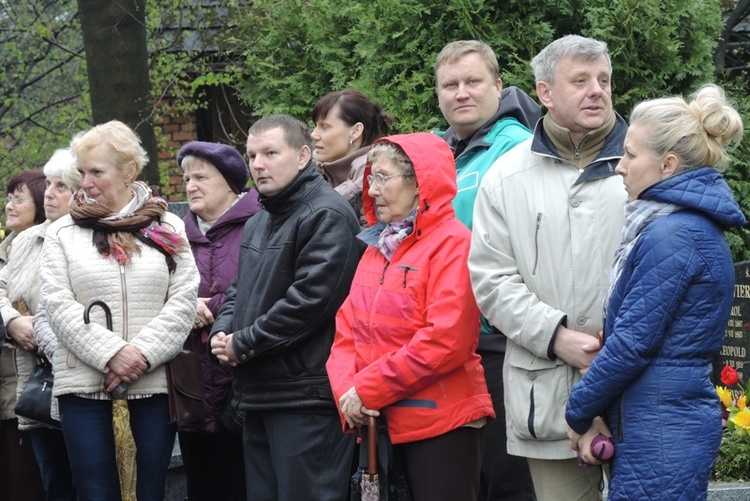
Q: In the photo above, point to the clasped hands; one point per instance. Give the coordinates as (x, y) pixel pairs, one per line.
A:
(582, 443)
(126, 366)
(222, 348)
(203, 315)
(354, 410)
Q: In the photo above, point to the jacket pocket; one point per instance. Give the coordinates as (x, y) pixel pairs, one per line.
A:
(536, 398)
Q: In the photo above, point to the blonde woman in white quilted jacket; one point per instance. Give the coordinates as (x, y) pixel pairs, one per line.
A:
(118, 245)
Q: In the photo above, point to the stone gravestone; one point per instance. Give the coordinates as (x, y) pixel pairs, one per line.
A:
(737, 339)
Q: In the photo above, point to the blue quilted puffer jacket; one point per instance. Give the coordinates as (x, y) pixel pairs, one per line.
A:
(666, 320)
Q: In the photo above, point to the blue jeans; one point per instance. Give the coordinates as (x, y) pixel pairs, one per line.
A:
(87, 427)
(52, 458)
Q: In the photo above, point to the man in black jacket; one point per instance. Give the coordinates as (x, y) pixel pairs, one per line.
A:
(297, 259)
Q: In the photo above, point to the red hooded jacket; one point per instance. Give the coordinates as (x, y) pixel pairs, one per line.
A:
(406, 336)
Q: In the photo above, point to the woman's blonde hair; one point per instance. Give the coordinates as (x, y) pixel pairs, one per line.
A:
(698, 132)
(122, 142)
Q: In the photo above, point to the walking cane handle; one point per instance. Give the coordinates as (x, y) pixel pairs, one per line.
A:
(98, 302)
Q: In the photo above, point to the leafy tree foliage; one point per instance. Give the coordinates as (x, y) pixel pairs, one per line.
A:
(292, 52)
(295, 51)
(42, 81)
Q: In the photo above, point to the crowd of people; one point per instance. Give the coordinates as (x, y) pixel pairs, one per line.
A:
(495, 296)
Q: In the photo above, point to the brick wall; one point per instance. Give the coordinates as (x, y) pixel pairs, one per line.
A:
(173, 131)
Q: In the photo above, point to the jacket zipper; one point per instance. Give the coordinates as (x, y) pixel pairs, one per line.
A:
(374, 308)
(124, 302)
(536, 242)
(385, 268)
(619, 418)
(406, 269)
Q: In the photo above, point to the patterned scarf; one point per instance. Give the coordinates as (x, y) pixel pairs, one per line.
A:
(393, 234)
(638, 215)
(115, 234)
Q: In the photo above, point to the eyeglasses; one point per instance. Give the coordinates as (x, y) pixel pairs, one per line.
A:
(14, 200)
(379, 179)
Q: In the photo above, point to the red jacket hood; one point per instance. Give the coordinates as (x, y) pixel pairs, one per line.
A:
(436, 177)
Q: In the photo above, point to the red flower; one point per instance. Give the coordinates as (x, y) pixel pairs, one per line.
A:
(729, 376)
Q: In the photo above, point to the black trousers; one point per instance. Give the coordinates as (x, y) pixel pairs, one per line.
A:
(296, 457)
(442, 468)
(504, 477)
(214, 466)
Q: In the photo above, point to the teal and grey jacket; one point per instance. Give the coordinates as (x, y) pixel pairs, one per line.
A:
(516, 115)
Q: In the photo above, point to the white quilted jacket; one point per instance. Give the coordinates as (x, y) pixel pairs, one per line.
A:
(151, 308)
(20, 280)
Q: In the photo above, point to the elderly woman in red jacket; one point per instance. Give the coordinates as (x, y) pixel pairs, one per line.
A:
(406, 336)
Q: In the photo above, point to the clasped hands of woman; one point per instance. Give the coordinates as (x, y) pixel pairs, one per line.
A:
(582, 443)
(126, 366)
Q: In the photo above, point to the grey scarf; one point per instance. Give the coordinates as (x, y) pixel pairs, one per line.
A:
(638, 214)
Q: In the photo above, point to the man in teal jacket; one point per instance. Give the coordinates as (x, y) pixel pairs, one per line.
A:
(485, 121)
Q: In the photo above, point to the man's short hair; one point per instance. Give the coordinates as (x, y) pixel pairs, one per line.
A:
(296, 133)
(458, 49)
(578, 47)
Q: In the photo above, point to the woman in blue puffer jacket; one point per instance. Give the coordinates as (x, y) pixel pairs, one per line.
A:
(669, 301)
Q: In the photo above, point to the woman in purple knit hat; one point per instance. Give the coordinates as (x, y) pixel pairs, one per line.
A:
(215, 177)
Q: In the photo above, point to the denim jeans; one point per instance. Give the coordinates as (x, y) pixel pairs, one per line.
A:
(87, 427)
(52, 458)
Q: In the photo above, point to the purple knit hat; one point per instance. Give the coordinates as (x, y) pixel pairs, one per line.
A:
(226, 159)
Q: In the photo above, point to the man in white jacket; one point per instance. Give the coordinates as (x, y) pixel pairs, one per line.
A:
(547, 221)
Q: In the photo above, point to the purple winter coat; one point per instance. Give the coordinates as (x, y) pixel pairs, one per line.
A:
(216, 255)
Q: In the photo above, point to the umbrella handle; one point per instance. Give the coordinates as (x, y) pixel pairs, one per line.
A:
(372, 446)
(98, 302)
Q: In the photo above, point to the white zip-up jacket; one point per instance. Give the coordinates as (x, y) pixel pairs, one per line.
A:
(543, 242)
(20, 280)
(151, 308)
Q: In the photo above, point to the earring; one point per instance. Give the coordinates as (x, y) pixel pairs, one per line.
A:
(351, 143)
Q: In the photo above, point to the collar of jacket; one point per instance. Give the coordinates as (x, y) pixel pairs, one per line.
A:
(603, 165)
(294, 193)
(237, 213)
(514, 103)
(337, 172)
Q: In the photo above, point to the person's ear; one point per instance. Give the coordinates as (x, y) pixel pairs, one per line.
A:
(544, 92)
(356, 133)
(670, 165)
(304, 157)
(129, 172)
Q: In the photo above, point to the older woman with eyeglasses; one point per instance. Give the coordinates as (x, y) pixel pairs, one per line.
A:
(20, 291)
(406, 336)
(24, 209)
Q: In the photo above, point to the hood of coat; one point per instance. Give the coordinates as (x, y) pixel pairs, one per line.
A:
(435, 170)
(702, 190)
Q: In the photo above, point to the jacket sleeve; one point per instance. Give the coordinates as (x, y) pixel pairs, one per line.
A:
(45, 338)
(6, 309)
(501, 293)
(323, 271)
(163, 336)
(448, 335)
(659, 271)
(342, 362)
